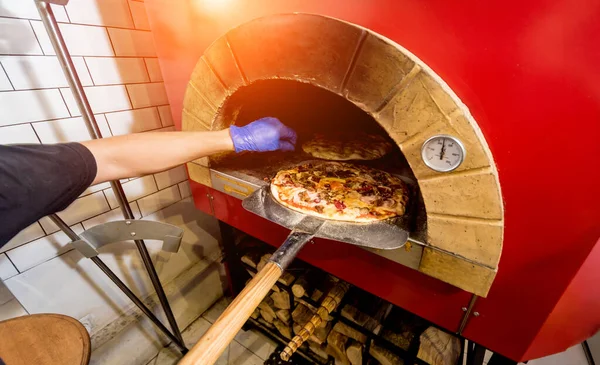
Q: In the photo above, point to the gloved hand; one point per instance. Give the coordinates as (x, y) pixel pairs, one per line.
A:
(265, 134)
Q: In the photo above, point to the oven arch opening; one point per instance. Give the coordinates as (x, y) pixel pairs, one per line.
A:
(391, 85)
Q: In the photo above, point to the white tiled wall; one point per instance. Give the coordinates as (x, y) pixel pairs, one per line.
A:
(113, 51)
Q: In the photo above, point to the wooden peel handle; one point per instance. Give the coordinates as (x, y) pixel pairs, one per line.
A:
(222, 332)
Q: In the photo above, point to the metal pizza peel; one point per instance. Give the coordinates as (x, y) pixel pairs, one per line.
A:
(385, 235)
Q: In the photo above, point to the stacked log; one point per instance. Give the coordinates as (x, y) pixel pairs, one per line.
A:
(365, 329)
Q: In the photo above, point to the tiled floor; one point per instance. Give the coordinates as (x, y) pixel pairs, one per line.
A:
(248, 348)
(251, 348)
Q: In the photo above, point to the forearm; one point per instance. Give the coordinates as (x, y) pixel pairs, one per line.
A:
(145, 153)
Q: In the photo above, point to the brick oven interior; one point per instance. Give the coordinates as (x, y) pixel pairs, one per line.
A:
(309, 110)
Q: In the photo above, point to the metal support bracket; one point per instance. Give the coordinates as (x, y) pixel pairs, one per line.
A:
(117, 231)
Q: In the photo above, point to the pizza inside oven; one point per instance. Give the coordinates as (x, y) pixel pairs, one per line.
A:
(341, 191)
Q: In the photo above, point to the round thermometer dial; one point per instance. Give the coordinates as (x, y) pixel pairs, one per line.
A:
(443, 153)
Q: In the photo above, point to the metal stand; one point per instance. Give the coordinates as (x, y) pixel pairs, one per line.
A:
(66, 63)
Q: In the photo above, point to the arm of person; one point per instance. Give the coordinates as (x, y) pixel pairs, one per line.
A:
(37, 180)
(146, 153)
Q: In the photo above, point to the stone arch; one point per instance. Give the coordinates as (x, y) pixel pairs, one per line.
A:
(464, 207)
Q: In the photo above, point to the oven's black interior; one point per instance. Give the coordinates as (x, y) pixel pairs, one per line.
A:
(309, 110)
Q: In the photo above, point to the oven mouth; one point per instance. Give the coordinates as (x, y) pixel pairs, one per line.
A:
(309, 110)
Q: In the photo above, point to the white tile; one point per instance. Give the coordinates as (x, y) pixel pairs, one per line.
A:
(102, 99)
(154, 69)
(30, 106)
(94, 188)
(133, 121)
(170, 177)
(140, 17)
(4, 81)
(84, 208)
(17, 37)
(257, 343)
(184, 189)
(67, 130)
(21, 133)
(167, 129)
(27, 9)
(110, 216)
(111, 70)
(81, 40)
(159, 200)
(41, 72)
(12, 309)
(134, 190)
(30, 233)
(7, 269)
(34, 253)
(143, 95)
(165, 115)
(132, 42)
(113, 13)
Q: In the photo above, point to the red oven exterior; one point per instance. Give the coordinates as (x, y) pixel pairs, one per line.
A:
(529, 73)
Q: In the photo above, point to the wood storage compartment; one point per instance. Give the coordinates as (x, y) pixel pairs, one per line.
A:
(357, 328)
(395, 94)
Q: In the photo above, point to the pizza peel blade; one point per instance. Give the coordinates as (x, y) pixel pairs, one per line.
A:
(378, 235)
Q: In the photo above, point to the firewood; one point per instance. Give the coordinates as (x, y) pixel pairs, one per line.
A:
(287, 279)
(367, 322)
(329, 304)
(318, 349)
(283, 315)
(355, 334)
(336, 347)
(283, 328)
(265, 323)
(301, 286)
(281, 300)
(255, 314)
(354, 352)
(313, 309)
(384, 356)
(252, 258)
(316, 295)
(302, 314)
(296, 327)
(321, 333)
(263, 261)
(267, 315)
(438, 347)
(275, 288)
(401, 340)
(266, 310)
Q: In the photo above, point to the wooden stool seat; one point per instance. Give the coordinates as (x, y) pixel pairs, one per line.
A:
(44, 339)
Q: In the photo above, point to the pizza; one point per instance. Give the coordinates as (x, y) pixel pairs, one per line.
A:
(361, 146)
(340, 191)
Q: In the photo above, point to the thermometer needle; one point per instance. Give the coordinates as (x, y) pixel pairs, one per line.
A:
(443, 149)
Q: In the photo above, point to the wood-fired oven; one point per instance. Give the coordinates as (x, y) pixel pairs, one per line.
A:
(515, 223)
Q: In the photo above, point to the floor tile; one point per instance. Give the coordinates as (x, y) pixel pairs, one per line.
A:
(215, 311)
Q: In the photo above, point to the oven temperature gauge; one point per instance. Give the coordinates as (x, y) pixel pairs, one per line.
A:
(443, 153)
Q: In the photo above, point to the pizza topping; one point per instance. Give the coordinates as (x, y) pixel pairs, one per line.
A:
(362, 194)
(339, 205)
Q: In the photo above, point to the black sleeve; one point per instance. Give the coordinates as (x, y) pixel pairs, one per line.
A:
(37, 180)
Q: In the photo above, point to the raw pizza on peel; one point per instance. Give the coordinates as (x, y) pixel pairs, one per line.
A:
(340, 191)
(362, 146)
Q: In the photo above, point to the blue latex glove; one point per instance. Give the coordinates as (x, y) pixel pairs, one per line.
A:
(265, 134)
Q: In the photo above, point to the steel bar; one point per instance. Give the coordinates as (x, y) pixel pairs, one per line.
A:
(115, 279)
(66, 63)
